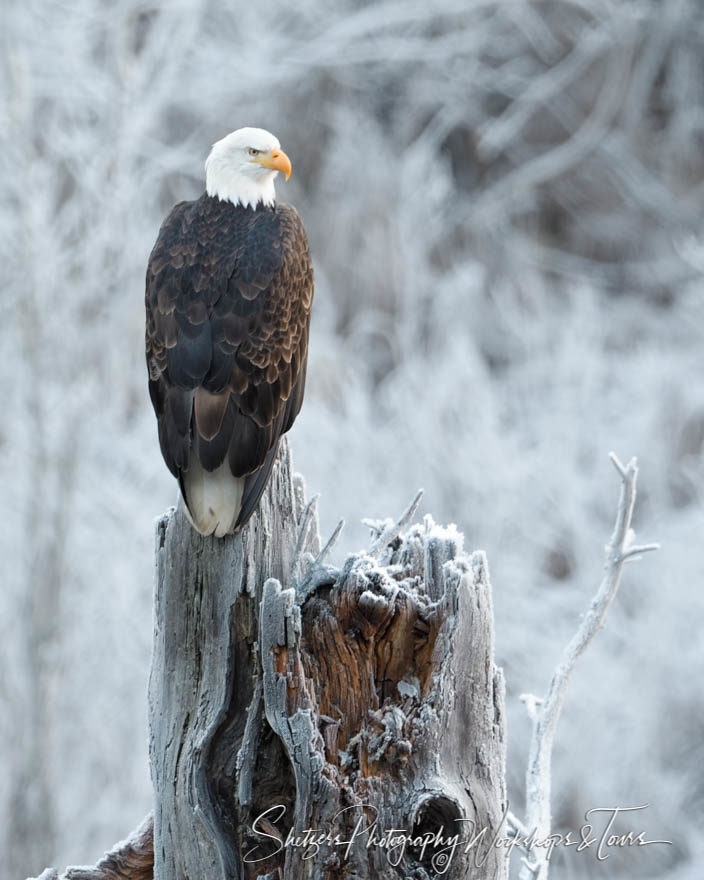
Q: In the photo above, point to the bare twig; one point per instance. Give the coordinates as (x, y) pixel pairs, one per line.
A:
(319, 574)
(332, 541)
(516, 825)
(392, 530)
(309, 517)
(530, 867)
(545, 714)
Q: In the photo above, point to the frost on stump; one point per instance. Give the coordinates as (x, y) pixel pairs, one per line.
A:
(337, 724)
(288, 695)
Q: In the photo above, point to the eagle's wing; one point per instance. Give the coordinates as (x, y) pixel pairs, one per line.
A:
(228, 298)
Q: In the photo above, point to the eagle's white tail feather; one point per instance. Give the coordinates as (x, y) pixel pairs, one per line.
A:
(213, 498)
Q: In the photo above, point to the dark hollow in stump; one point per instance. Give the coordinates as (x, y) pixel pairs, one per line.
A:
(286, 695)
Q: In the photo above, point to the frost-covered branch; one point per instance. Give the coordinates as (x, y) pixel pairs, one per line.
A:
(131, 859)
(387, 530)
(545, 714)
(319, 573)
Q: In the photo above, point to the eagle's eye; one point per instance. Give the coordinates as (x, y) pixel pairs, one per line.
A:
(253, 152)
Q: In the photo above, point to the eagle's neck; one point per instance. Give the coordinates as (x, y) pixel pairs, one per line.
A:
(247, 189)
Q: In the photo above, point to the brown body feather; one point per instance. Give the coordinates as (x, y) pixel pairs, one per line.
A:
(228, 297)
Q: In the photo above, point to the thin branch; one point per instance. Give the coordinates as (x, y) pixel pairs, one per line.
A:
(393, 529)
(531, 867)
(332, 541)
(319, 574)
(516, 825)
(545, 716)
(308, 518)
(637, 551)
(614, 459)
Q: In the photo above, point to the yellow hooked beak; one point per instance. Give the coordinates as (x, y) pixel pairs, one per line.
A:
(277, 160)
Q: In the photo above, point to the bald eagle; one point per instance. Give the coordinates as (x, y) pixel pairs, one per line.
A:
(228, 298)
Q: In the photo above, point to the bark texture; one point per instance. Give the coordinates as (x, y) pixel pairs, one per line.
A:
(287, 695)
(131, 859)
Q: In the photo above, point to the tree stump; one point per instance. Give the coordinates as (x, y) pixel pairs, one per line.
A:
(314, 723)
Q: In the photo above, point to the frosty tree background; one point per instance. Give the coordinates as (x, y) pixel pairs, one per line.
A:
(504, 202)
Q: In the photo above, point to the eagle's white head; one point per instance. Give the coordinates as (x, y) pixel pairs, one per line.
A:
(242, 166)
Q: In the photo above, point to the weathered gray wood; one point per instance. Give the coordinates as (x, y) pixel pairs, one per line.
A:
(283, 699)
